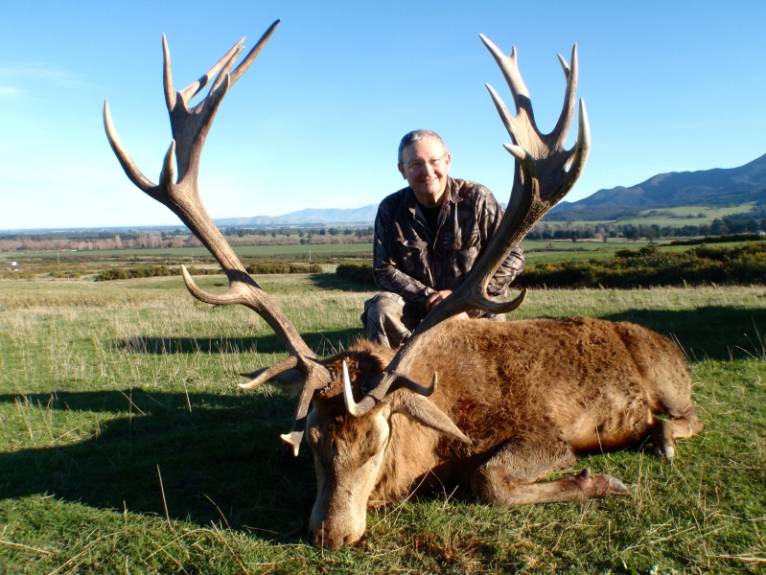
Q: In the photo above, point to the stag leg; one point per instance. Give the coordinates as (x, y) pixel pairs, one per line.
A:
(511, 476)
(679, 426)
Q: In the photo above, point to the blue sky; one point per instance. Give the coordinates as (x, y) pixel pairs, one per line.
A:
(315, 123)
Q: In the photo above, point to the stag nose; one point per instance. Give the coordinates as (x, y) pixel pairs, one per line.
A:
(328, 537)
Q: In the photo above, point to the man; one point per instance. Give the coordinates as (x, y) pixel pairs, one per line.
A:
(427, 238)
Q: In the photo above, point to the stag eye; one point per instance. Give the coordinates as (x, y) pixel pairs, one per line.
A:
(313, 437)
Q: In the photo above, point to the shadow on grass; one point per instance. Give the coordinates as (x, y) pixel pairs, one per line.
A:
(712, 332)
(332, 281)
(222, 461)
(323, 343)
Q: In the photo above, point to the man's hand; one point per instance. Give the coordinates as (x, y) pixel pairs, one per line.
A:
(436, 298)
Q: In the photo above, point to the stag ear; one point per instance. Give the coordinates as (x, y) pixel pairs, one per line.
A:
(425, 411)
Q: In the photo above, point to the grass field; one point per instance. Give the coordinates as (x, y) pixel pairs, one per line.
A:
(673, 217)
(691, 215)
(87, 263)
(126, 447)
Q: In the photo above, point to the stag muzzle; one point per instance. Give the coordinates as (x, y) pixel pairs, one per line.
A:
(337, 519)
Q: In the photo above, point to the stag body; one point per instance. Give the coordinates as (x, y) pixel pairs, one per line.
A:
(529, 394)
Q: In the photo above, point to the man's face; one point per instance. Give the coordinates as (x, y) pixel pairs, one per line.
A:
(425, 165)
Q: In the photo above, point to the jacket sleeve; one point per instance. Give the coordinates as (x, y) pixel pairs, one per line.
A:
(387, 273)
(514, 263)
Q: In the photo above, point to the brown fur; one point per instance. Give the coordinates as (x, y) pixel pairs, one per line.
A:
(530, 394)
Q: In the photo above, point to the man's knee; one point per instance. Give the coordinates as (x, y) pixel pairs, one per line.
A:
(383, 319)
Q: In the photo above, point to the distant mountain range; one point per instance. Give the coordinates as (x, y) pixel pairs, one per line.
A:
(705, 188)
(364, 215)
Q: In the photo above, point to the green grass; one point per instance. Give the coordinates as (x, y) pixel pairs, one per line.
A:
(556, 251)
(126, 448)
(674, 217)
(295, 250)
(88, 264)
(686, 215)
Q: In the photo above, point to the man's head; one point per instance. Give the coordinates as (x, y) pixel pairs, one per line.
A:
(424, 162)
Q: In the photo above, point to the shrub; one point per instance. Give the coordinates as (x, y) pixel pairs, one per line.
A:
(650, 266)
(283, 268)
(357, 273)
(148, 271)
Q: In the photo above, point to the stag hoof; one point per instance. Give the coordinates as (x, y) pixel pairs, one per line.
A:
(599, 485)
(667, 451)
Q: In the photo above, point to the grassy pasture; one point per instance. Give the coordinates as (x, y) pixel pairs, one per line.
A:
(683, 215)
(673, 217)
(126, 448)
(294, 252)
(83, 263)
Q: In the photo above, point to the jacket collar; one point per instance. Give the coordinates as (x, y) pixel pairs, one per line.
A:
(452, 194)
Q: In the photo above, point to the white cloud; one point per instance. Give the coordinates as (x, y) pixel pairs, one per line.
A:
(35, 71)
(9, 91)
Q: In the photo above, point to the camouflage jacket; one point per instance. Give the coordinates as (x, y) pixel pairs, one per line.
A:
(411, 261)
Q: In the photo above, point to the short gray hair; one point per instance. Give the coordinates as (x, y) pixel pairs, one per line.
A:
(415, 136)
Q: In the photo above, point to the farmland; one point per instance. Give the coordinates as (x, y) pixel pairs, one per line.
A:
(85, 263)
(127, 448)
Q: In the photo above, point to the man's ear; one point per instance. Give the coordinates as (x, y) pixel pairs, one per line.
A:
(401, 170)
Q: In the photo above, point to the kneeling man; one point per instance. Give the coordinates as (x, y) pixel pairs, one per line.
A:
(427, 238)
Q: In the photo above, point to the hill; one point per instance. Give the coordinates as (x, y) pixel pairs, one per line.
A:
(716, 188)
(312, 216)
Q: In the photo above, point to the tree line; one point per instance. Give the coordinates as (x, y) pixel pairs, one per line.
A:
(181, 238)
(645, 267)
(735, 224)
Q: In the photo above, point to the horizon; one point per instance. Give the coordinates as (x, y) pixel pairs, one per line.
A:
(288, 135)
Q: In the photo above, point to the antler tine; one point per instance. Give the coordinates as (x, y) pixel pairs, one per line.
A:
(366, 403)
(510, 68)
(507, 118)
(541, 179)
(251, 56)
(130, 168)
(171, 97)
(579, 152)
(198, 85)
(265, 374)
(226, 63)
(558, 135)
(317, 378)
(177, 190)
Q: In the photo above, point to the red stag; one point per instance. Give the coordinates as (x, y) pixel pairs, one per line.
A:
(516, 400)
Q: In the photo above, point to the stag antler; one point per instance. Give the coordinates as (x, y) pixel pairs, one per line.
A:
(179, 192)
(545, 172)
